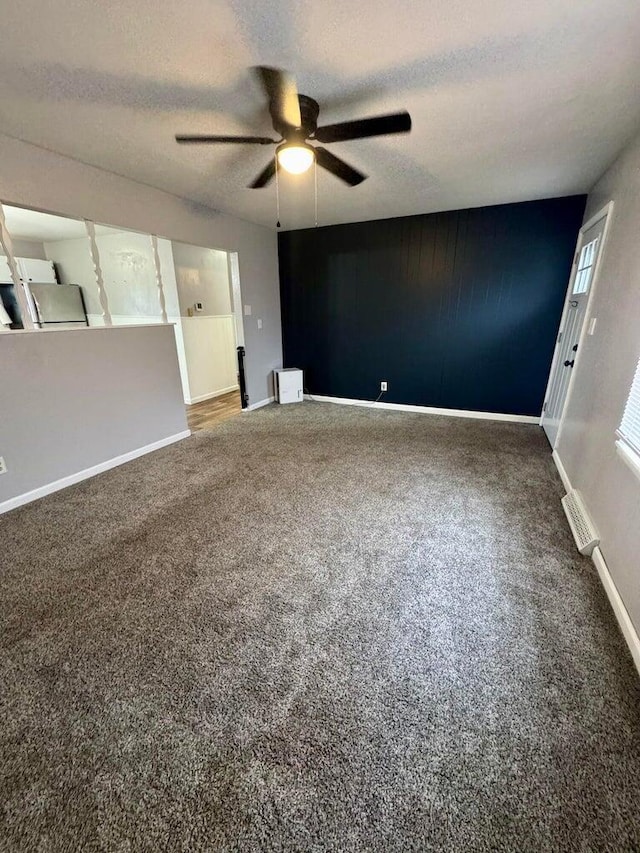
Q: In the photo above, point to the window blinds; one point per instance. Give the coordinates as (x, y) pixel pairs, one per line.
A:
(630, 427)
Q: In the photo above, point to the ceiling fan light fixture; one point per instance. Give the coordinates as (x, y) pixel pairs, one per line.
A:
(295, 157)
(294, 118)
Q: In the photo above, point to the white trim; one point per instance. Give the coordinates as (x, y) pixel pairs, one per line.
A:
(600, 214)
(233, 271)
(617, 605)
(628, 456)
(21, 297)
(118, 326)
(47, 489)
(259, 404)
(191, 400)
(427, 410)
(103, 296)
(566, 482)
(200, 316)
(159, 282)
(606, 211)
(624, 620)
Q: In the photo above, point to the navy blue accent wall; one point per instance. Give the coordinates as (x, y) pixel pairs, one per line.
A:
(457, 310)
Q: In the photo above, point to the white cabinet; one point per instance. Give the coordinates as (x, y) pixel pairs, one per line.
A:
(33, 269)
(29, 269)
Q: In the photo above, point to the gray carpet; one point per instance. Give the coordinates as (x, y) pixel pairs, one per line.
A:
(314, 628)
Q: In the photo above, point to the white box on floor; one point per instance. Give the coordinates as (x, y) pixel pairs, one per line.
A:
(288, 384)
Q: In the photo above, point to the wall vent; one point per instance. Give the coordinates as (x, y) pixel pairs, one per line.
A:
(581, 526)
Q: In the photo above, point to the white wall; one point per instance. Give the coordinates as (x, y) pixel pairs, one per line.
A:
(208, 337)
(170, 288)
(202, 275)
(129, 275)
(38, 178)
(209, 344)
(75, 399)
(74, 266)
(27, 249)
(603, 376)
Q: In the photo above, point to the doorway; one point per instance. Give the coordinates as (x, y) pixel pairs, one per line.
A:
(206, 325)
(210, 413)
(572, 326)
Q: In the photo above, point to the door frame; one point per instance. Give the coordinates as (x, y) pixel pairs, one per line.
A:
(606, 211)
(235, 294)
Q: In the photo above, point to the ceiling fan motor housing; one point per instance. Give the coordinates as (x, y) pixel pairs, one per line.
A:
(295, 118)
(309, 111)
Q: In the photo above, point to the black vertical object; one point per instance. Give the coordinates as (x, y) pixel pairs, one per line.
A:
(457, 310)
(244, 397)
(10, 302)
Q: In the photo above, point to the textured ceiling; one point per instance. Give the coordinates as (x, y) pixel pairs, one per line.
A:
(510, 100)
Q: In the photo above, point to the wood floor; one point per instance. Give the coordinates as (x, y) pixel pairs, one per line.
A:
(209, 413)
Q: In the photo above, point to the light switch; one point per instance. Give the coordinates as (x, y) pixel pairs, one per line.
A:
(592, 325)
(259, 323)
(247, 310)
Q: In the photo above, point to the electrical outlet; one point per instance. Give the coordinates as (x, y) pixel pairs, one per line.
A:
(3, 467)
(383, 386)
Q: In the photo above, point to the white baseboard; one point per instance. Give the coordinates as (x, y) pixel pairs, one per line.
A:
(259, 404)
(624, 620)
(566, 482)
(427, 410)
(617, 605)
(85, 474)
(210, 396)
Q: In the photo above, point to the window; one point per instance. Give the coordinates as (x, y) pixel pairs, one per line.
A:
(585, 267)
(628, 443)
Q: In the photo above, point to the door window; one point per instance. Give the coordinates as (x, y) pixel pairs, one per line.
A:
(586, 263)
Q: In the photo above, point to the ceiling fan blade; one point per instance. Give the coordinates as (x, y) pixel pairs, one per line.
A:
(361, 128)
(242, 140)
(338, 167)
(265, 175)
(282, 93)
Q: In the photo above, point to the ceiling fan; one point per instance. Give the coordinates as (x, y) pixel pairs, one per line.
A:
(295, 118)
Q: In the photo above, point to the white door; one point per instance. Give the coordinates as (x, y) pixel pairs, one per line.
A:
(575, 310)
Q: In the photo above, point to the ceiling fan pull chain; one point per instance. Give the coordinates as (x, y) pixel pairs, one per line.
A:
(315, 178)
(277, 196)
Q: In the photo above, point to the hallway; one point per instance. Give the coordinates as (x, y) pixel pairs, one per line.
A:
(210, 413)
